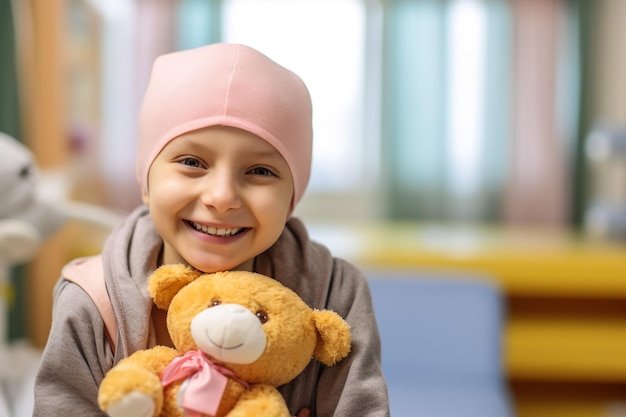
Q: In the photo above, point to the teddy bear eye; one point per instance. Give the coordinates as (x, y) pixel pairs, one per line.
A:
(262, 315)
(215, 303)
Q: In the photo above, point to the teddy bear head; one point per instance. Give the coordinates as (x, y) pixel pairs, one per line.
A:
(248, 322)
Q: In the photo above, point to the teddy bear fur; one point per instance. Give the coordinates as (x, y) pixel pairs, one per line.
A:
(295, 334)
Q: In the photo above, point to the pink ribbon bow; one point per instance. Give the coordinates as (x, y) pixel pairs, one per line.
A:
(207, 382)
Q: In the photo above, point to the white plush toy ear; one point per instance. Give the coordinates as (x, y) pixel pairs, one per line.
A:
(19, 241)
(333, 337)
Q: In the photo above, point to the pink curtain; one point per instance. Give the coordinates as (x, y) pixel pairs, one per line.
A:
(537, 190)
(156, 35)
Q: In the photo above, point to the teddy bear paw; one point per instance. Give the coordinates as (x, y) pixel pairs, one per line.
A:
(135, 404)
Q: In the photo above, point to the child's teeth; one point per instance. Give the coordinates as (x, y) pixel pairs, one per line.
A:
(217, 231)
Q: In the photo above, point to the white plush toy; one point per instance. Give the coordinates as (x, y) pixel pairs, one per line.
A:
(22, 225)
(27, 219)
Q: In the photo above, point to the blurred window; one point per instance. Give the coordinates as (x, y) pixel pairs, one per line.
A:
(324, 42)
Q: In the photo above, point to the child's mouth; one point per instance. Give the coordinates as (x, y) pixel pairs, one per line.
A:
(215, 231)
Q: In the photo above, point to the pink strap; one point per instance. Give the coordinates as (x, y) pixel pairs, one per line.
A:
(207, 382)
(88, 273)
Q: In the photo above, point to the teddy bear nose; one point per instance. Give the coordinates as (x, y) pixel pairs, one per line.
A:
(230, 333)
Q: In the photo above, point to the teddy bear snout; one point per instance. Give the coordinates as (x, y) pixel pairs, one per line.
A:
(229, 333)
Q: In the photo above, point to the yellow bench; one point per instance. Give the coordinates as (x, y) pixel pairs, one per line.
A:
(565, 338)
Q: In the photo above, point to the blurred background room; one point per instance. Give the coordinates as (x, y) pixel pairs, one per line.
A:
(455, 137)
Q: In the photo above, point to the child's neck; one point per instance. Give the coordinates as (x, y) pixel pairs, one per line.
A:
(160, 327)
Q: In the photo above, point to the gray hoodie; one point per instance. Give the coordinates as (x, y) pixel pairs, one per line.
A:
(78, 355)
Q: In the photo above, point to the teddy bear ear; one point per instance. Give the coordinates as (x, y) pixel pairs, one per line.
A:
(167, 280)
(334, 339)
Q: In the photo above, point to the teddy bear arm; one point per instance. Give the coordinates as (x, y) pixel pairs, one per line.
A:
(153, 360)
(136, 379)
(262, 400)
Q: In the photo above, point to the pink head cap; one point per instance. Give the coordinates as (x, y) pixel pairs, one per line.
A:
(228, 85)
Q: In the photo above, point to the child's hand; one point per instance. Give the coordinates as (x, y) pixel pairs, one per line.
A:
(305, 412)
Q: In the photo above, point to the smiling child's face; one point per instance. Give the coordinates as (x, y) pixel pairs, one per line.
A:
(218, 196)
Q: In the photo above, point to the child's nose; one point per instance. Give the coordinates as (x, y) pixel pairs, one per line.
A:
(220, 192)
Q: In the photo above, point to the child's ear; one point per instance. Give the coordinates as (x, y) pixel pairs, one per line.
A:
(145, 197)
(333, 337)
(167, 280)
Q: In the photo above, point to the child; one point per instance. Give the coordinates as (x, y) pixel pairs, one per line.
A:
(224, 156)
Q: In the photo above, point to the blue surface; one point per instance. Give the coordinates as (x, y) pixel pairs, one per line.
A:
(442, 345)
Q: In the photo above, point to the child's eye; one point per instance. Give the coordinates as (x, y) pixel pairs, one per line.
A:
(190, 162)
(262, 171)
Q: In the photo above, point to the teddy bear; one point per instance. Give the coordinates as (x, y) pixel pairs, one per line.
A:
(237, 335)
